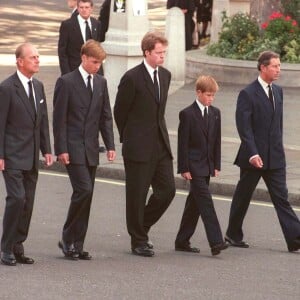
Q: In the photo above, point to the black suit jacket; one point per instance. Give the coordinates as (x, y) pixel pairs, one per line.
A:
(259, 127)
(77, 120)
(139, 118)
(70, 42)
(199, 149)
(22, 132)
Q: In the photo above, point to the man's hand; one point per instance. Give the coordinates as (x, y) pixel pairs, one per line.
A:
(63, 158)
(187, 175)
(48, 159)
(111, 155)
(257, 162)
(2, 165)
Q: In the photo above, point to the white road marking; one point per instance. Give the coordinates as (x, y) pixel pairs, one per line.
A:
(178, 192)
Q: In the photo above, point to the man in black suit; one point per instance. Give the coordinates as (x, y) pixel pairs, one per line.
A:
(104, 16)
(81, 110)
(73, 33)
(139, 115)
(199, 157)
(261, 154)
(24, 130)
(188, 8)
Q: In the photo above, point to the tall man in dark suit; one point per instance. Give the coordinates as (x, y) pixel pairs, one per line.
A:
(199, 157)
(139, 115)
(24, 130)
(261, 154)
(73, 33)
(81, 110)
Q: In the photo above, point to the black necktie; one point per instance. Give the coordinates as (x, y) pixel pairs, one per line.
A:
(205, 117)
(31, 97)
(88, 33)
(156, 87)
(89, 86)
(271, 97)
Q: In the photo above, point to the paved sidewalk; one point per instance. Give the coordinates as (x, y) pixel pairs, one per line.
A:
(178, 99)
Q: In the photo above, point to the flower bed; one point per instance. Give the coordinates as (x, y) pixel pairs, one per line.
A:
(242, 38)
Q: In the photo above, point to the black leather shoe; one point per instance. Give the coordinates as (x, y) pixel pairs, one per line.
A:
(187, 248)
(294, 245)
(8, 259)
(22, 259)
(150, 244)
(84, 255)
(68, 251)
(216, 249)
(143, 251)
(240, 244)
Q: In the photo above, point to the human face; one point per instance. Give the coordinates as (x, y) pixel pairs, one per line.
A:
(271, 72)
(84, 9)
(91, 64)
(29, 62)
(156, 56)
(72, 3)
(206, 98)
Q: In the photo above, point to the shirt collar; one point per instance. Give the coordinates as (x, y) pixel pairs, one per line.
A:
(149, 68)
(82, 20)
(201, 106)
(84, 73)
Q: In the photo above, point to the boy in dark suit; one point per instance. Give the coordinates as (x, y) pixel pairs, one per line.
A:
(199, 157)
(81, 110)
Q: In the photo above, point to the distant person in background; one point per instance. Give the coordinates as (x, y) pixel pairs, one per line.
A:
(104, 18)
(188, 8)
(73, 5)
(204, 12)
(73, 33)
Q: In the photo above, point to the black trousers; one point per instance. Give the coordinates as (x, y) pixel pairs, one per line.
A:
(199, 203)
(20, 188)
(82, 178)
(275, 181)
(140, 213)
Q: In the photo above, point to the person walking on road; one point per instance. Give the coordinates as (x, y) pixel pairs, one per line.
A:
(139, 114)
(259, 115)
(81, 109)
(199, 157)
(24, 131)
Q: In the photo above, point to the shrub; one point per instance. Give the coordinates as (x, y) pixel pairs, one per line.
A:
(241, 38)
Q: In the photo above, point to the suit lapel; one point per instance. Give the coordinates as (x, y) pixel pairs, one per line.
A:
(94, 29)
(148, 81)
(199, 117)
(77, 30)
(23, 97)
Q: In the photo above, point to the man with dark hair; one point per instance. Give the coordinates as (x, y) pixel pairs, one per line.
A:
(261, 154)
(24, 131)
(139, 115)
(81, 109)
(73, 33)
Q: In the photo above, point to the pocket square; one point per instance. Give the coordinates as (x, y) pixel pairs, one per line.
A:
(42, 100)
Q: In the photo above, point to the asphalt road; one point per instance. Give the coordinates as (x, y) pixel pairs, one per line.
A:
(265, 271)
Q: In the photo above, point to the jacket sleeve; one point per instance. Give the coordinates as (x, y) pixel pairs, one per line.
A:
(62, 48)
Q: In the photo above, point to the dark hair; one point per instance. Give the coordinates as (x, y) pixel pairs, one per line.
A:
(89, 1)
(92, 48)
(150, 39)
(265, 57)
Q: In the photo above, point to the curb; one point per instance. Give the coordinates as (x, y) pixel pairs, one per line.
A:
(222, 189)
